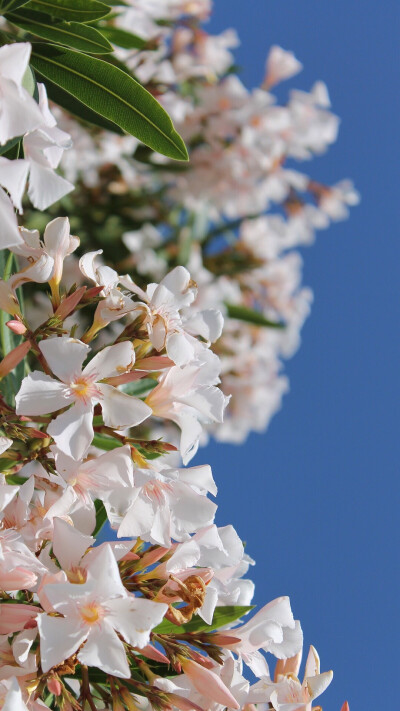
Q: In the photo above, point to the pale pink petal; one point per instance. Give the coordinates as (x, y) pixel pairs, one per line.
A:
(201, 477)
(209, 684)
(104, 650)
(19, 112)
(40, 394)
(69, 544)
(73, 431)
(46, 186)
(13, 176)
(121, 410)
(317, 684)
(64, 356)
(111, 361)
(134, 618)
(9, 235)
(138, 520)
(86, 265)
(59, 638)
(179, 348)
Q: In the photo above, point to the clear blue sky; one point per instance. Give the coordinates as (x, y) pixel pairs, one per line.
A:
(317, 497)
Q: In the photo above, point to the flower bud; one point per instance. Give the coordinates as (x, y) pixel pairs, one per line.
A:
(16, 327)
(54, 686)
(13, 358)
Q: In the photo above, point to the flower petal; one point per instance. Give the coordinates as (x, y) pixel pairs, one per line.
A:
(111, 361)
(73, 431)
(59, 638)
(121, 410)
(40, 394)
(64, 356)
(104, 650)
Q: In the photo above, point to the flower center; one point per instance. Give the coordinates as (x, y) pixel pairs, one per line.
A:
(91, 613)
(84, 388)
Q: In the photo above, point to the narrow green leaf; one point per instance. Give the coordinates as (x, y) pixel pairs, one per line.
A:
(222, 616)
(101, 517)
(110, 92)
(72, 34)
(140, 388)
(251, 316)
(104, 442)
(122, 38)
(71, 10)
(77, 108)
(8, 6)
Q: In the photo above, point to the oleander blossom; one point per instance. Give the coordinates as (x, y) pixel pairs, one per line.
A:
(119, 588)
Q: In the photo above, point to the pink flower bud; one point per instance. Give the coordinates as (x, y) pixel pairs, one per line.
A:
(17, 579)
(208, 684)
(68, 305)
(153, 653)
(16, 327)
(13, 358)
(16, 617)
(54, 686)
(182, 703)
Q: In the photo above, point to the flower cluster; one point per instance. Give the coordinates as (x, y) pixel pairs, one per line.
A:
(118, 590)
(235, 216)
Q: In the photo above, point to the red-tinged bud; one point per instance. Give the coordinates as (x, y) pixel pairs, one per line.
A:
(16, 326)
(154, 654)
(37, 433)
(124, 378)
(153, 556)
(208, 684)
(92, 293)
(54, 686)
(154, 363)
(70, 303)
(204, 661)
(345, 707)
(223, 640)
(13, 358)
(182, 703)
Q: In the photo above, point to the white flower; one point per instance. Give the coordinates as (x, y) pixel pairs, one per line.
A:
(188, 397)
(286, 692)
(92, 614)
(57, 244)
(168, 503)
(280, 65)
(43, 149)
(19, 112)
(272, 629)
(73, 430)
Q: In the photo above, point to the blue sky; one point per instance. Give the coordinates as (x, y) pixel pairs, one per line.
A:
(317, 497)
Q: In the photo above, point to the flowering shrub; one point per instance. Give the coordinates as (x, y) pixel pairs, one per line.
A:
(164, 320)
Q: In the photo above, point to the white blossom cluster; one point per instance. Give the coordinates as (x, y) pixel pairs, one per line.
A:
(151, 617)
(243, 179)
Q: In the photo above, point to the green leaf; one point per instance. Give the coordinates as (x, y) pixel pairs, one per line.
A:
(11, 5)
(104, 442)
(140, 388)
(9, 146)
(72, 34)
(122, 38)
(242, 313)
(101, 517)
(78, 109)
(110, 92)
(71, 10)
(222, 616)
